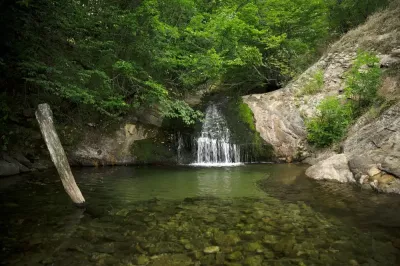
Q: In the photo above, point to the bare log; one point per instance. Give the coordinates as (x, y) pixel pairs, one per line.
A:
(44, 116)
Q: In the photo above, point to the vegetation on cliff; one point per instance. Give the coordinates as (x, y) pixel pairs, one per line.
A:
(335, 114)
(97, 59)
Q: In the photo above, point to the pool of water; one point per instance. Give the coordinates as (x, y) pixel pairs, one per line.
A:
(247, 215)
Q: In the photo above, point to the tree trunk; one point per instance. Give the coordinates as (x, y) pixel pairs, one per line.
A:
(44, 116)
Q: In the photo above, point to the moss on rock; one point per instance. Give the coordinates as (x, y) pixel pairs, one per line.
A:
(153, 151)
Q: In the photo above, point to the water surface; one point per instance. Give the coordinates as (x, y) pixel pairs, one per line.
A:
(245, 215)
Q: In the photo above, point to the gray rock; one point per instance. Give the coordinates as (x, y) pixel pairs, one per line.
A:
(22, 168)
(98, 149)
(211, 249)
(278, 122)
(22, 159)
(333, 168)
(377, 143)
(7, 168)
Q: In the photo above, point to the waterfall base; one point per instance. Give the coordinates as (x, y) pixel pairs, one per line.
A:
(215, 164)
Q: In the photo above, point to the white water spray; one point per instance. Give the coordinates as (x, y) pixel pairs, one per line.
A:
(214, 146)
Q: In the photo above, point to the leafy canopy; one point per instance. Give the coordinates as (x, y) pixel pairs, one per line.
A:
(115, 57)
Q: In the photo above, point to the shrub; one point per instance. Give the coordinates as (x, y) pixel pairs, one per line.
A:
(363, 81)
(331, 123)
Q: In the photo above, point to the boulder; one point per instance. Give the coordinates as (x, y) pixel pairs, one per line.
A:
(22, 159)
(22, 168)
(98, 149)
(7, 168)
(333, 168)
(376, 144)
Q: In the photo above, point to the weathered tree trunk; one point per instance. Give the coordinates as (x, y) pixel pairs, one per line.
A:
(44, 116)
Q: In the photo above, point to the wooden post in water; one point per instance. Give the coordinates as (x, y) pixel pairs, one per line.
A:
(44, 116)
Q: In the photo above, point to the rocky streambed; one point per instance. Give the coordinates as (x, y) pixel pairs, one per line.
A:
(291, 221)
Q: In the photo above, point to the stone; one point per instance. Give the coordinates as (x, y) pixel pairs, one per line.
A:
(373, 171)
(220, 258)
(114, 148)
(7, 169)
(226, 239)
(22, 159)
(211, 249)
(22, 168)
(363, 179)
(334, 168)
(171, 260)
(253, 247)
(234, 256)
(253, 261)
(376, 143)
(141, 260)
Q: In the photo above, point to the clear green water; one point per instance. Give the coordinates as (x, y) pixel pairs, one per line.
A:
(247, 215)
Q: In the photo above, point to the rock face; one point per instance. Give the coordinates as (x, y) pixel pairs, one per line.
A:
(278, 121)
(7, 168)
(376, 143)
(14, 164)
(109, 149)
(280, 115)
(374, 139)
(334, 168)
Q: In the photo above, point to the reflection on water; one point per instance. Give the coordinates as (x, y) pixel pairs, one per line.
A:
(249, 215)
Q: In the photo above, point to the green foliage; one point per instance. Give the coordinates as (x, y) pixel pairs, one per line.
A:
(331, 123)
(314, 85)
(246, 115)
(241, 122)
(102, 58)
(363, 81)
(347, 14)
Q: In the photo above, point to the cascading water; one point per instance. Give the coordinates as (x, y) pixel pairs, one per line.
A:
(214, 146)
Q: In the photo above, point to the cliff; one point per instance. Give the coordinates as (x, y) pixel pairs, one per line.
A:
(373, 141)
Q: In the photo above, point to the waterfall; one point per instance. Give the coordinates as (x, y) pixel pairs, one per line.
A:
(214, 145)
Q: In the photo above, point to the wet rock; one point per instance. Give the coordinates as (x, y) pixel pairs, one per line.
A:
(211, 249)
(334, 168)
(268, 254)
(285, 245)
(7, 169)
(166, 247)
(208, 259)
(9, 159)
(253, 247)
(171, 260)
(226, 239)
(103, 259)
(22, 159)
(235, 256)
(141, 260)
(220, 258)
(377, 143)
(253, 261)
(373, 171)
(210, 218)
(269, 239)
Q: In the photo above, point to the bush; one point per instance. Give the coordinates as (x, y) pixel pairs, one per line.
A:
(331, 123)
(363, 81)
